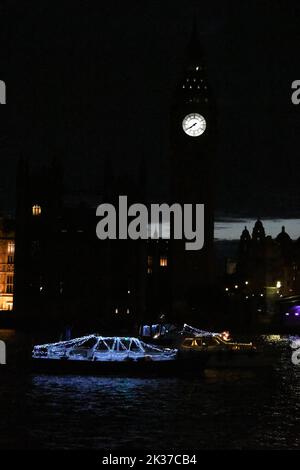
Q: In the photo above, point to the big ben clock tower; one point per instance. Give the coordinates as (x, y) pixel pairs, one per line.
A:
(193, 138)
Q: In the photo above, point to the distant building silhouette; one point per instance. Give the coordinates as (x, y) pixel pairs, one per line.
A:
(267, 271)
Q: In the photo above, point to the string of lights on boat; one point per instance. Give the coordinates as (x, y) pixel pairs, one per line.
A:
(94, 347)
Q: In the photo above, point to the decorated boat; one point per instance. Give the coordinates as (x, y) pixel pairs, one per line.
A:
(110, 355)
(221, 351)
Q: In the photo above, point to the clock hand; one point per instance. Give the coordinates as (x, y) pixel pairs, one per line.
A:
(191, 126)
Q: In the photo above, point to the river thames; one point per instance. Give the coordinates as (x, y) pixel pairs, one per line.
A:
(230, 409)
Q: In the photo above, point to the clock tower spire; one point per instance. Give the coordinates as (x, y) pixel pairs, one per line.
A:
(193, 86)
(192, 149)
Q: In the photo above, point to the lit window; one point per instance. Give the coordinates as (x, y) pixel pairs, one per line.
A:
(149, 264)
(163, 261)
(116, 310)
(11, 248)
(9, 284)
(36, 210)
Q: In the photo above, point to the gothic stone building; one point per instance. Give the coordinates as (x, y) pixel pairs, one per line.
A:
(65, 274)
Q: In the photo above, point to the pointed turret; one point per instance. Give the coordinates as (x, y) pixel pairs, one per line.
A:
(245, 237)
(283, 236)
(194, 85)
(258, 233)
(245, 241)
(285, 242)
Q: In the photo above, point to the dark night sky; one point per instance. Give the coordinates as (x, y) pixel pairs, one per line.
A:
(89, 82)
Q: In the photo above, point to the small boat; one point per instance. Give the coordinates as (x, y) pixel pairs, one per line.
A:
(217, 349)
(110, 355)
(221, 352)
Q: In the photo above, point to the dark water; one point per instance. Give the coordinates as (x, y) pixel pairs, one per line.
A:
(222, 410)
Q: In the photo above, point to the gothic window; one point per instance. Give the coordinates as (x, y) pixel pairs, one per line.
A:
(11, 248)
(149, 264)
(163, 261)
(36, 210)
(9, 284)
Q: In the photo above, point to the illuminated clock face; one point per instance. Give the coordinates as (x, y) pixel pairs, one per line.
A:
(194, 124)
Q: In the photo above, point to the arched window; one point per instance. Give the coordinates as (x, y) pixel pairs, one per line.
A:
(36, 210)
(163, 261)
(11, 248)
(149, 264)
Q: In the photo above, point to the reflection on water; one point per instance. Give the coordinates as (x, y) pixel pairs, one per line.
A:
(224, 409)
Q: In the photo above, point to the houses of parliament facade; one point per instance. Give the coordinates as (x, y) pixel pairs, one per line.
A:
(64, 273)
(55, 271)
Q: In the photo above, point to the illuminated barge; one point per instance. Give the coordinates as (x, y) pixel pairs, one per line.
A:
(110, 355)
